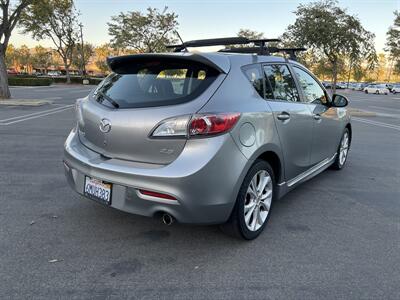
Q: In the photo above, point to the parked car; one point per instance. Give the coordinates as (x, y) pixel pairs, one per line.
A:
(12, 72)
(359, 86)
(54, 73)
(204, 138)
(389, 86)
(329, 85)
(396, 88)
(376, 89)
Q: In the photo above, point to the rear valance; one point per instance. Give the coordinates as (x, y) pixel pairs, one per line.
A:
(118, 64)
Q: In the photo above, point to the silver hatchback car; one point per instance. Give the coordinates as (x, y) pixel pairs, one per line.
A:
(210, 138)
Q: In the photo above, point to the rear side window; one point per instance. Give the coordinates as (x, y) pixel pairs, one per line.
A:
(255, 77)
(281, 83)
(156, 83)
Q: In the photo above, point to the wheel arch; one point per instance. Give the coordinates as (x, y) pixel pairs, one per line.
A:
(276, 163)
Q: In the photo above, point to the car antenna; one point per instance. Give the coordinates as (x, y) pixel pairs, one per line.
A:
(183, 44)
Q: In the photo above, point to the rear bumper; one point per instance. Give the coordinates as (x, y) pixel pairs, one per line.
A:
(204, 179)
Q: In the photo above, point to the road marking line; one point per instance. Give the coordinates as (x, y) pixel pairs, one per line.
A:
(53, 98)
(376, 123)
(384, 108)
(60, 109)
(78, 91)
(36, 113)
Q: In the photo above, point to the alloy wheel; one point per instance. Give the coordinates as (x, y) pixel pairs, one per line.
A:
(344, 148)
(258, 200)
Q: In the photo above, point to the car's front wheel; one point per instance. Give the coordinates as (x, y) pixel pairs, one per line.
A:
(343, 151)
(253, 203)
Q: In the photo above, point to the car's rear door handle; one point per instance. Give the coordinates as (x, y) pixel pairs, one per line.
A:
(317, 117)
(283, 116)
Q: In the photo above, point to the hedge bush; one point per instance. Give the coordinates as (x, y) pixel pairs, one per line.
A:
(25, 81)
(28, 80)
(77, 80)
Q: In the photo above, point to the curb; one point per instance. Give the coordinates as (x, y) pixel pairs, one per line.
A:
(24, 102)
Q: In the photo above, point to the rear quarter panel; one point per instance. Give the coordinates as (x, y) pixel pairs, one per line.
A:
(255, 132)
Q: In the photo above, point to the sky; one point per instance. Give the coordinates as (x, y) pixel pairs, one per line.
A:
(221, 18)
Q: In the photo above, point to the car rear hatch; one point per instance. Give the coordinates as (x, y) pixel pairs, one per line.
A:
(118, 117)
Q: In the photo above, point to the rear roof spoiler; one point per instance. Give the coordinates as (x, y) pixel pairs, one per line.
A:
(117, 63)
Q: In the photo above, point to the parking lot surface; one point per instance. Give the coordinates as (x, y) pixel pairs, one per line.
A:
(335, 236)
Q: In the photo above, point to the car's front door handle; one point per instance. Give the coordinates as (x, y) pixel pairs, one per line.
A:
(283, 116)
(317, 117)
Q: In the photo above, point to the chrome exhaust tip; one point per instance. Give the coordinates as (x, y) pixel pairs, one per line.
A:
(167, 219)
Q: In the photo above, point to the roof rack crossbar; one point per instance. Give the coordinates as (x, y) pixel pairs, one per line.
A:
(290, 51)
(262, 43)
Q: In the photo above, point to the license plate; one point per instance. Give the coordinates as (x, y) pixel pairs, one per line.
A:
(98, 190)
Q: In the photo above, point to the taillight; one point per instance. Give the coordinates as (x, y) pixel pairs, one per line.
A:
(197, 125)
(212, 124)
(173, 127)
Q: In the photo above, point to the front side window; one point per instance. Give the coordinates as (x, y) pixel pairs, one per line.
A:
(281, 83)
(313, 93)
(156, 83)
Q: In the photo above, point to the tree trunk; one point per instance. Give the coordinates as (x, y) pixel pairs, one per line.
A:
(66, 65)
(349, 75)
(334, 77)
(390, 70)
(4, 89)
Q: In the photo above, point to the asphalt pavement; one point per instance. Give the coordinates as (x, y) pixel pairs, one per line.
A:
(335, 236)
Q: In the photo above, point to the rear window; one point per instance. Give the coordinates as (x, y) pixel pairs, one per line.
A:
(156, 83)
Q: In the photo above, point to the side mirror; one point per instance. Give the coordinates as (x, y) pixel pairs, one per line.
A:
(339, 101)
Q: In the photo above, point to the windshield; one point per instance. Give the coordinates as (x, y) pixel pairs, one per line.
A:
(156, 83)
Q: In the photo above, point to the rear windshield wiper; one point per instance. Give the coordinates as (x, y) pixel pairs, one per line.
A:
(108, 98)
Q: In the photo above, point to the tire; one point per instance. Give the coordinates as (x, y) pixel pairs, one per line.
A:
(366, 91)
(245, 226)
(340, 161)
(377, 92)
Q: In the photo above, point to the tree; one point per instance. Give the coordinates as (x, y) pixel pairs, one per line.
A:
(9, 19)
(56, 20)
(328, 31)
(11, 56)
(143, 32)
(42, 58)
(79, 61)
(250, 34)
(101, 54)
(24, 58)
(393, 43)
(358, 73)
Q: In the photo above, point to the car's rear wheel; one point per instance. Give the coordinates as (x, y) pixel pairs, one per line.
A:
(253, 204)
(377, 92)
(343, 151)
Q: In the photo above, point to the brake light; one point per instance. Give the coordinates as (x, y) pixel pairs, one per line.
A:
(212, 124)
(196, 125)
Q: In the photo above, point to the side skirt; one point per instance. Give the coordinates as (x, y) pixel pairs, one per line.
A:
(285, 187)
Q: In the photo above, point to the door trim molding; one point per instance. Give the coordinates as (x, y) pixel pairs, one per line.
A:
(318, 167)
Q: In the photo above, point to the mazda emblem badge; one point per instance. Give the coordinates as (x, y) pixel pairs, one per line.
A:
(105, 125)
